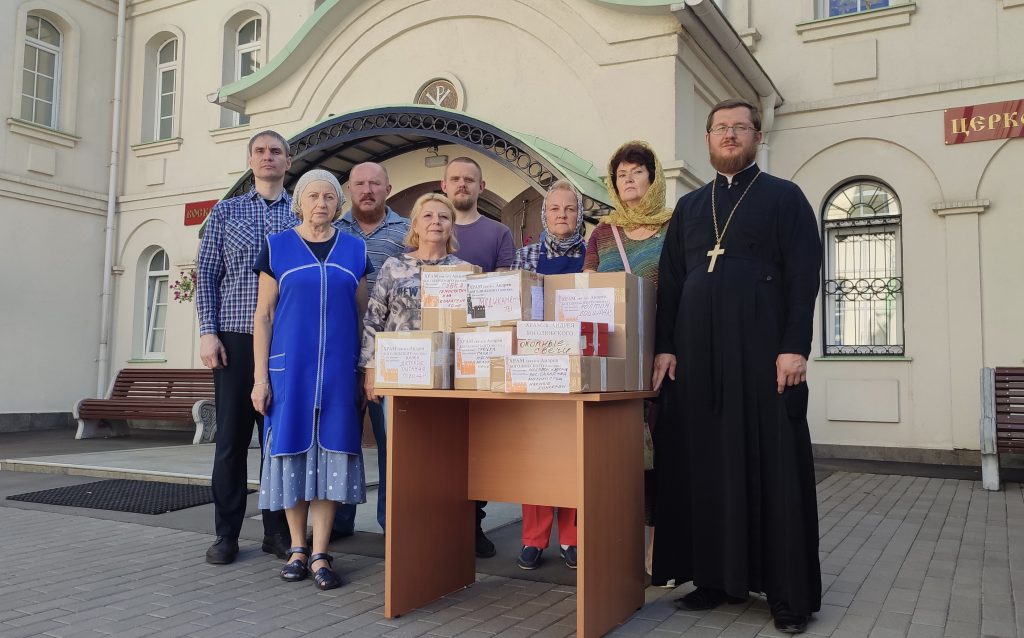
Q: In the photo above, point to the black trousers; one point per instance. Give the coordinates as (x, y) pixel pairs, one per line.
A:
(480, 513)
(235, 419)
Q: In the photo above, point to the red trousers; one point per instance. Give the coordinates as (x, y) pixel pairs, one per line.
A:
(537, 520)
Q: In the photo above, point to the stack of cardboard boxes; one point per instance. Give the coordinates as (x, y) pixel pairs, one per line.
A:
(423, 358)
(518, 331)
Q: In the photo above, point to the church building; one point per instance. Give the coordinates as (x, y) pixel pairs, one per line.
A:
(900, 120)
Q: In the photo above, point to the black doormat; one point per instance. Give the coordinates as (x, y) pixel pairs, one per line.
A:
(121, 495)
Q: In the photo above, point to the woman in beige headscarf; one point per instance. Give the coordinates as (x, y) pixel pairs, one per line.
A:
(631, 236)
(630, 239)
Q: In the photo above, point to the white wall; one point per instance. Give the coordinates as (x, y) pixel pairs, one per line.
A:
(53, 185)
(867, 100)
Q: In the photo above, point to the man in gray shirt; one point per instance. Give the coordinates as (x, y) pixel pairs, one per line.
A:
(483, 242)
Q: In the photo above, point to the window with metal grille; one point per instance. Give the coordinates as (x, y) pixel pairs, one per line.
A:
(863, 282)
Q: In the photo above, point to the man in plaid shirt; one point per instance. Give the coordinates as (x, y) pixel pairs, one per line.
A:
(226, 300)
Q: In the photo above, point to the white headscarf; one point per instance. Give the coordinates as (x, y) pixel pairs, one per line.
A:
(315, 175)
(553, 245)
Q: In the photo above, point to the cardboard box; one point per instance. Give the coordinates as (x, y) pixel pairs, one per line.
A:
(623, 301)
(562, 337)
(503, 298)
(414, 359)
(557, 374)
(474, 349)
(443, 296)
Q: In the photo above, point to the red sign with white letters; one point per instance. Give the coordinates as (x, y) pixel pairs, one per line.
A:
(981, 122)
(197, 212)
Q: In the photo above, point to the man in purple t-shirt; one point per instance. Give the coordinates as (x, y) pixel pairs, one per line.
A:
(482, 241)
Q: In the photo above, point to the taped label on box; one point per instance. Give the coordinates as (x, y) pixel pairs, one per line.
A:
(541, 374)
(443, 289)
(549, 337)
(494, 299)
(586, 304)
(473, 352)
(404, 361)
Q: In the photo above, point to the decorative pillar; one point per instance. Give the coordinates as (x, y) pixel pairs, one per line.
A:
(963, 307)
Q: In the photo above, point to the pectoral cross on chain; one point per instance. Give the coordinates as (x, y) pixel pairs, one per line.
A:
(718, 251)
(713, 254)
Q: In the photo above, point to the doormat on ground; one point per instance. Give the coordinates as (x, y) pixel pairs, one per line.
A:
(122, 495)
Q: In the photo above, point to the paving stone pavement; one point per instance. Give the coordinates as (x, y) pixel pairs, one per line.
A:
(901, 556)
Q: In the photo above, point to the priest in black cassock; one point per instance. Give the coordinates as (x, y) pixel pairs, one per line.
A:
(739, 274)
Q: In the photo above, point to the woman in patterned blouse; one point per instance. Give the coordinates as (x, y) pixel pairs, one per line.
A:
(394, 304)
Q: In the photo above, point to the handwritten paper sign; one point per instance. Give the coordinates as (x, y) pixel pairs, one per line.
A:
(586, 304)
(549, 337)
(403, 361)
(443, 289)
(494, 298)
(536, 373)
(473, 352)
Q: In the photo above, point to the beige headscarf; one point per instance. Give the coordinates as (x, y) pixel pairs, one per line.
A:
(651, 211)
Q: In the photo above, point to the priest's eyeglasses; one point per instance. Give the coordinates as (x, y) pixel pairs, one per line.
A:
(739, 130)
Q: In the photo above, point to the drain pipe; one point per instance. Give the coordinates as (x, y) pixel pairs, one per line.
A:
(718, 34)
(767, 107)
(110, 233)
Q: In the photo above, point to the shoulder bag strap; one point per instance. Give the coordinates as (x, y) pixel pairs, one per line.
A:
(622, 251)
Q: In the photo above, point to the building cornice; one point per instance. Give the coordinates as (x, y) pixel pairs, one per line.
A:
(704, 21)
(973, 207)
(792, 108)
(46, 134)
(896, 15)
(110, 6)
(159, 147)
(52, 195)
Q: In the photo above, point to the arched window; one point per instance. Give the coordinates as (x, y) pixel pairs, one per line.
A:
(162, 86)
(863, 284)
(40, 86)
(155, 323)
(167, 87)
(248, 43)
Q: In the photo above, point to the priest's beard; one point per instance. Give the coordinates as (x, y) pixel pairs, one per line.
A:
(732, 164)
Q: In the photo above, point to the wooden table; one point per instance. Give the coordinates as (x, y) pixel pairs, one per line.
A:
(448, 448)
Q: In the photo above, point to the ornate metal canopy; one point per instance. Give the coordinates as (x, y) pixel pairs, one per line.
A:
(379, 134)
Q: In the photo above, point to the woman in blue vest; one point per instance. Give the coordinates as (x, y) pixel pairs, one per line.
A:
(561, 249)
(312, 291)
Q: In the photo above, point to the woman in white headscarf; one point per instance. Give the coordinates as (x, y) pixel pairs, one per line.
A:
(561, 250)
(312, 291)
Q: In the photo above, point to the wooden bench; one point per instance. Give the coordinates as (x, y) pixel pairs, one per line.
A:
(151, 394)
(1002, 419)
